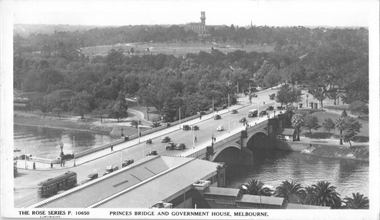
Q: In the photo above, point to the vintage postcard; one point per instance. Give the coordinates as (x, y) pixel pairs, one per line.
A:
(164, 109)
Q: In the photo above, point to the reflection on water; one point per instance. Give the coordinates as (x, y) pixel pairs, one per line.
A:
(45, 142)
(273, 167)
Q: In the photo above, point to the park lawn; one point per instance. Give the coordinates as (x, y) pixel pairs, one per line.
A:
(177, 49)
(364, 131)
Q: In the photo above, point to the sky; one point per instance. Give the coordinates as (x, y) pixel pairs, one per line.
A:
(238, 12)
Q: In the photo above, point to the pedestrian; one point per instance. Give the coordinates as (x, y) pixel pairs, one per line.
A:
(51, 165)
(111, 147)
(61, 161)
(64, 162)
(195, 138)
(214, 139)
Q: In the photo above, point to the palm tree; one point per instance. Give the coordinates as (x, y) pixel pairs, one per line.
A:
(340, 123)
(254, 187)
(358, 201)
(297, 121)
(291, 192)
(323, 194)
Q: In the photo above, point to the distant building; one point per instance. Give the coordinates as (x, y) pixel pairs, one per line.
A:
(199, 28)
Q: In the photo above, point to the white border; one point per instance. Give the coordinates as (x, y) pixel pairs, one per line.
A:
(6, 131)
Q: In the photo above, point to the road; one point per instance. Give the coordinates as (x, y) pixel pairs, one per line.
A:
(25, 185)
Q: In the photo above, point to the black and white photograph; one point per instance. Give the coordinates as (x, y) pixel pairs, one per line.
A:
(165, 109)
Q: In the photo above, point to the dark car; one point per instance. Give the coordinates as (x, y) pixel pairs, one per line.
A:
(234, 111)
(165, 139)
(272, 96)
(173, 146)
(127, 162)
(152, 153)
(216, 117)
(110, 169)
(186, 127)
(263, 112)
(243, 120)
(90, 177)
(254, 95)
(270, 108)
(195, 127)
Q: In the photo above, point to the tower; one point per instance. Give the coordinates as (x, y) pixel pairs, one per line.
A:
(203, 18)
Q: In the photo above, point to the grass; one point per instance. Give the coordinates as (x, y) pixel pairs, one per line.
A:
(362, 135)
(177, 49)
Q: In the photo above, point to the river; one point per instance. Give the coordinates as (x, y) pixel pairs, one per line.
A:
(270, 167)
(45, 142)
(273, 166)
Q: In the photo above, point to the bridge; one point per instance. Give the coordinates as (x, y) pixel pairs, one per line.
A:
(237, 147)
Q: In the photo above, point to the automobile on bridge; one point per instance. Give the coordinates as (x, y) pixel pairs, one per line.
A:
(127, 162)
(270, 108)
(263, 112)
(217, 117)
(111, 169)
(185, 127)
(89, 178)
(173, 146)
(220, 128)
(195, 127)
(165, 139)
(234, 111)
(243, 120)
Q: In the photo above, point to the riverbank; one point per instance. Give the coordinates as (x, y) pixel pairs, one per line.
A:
(358, 152)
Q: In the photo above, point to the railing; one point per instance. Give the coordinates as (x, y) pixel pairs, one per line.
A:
(80, 154)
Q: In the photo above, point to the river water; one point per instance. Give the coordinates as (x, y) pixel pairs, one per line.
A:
(270, 167)
(45, 142)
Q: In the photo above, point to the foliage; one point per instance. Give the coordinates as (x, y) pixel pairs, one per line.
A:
(357, 201)
(118, 109)
(311, 122)
(323, 194)
(297, 121)
(358, 107)
(255, 187)
(348, 127)
(81, 103)
(328, 124)
(286, 95)
(291, 192)
(319, 93)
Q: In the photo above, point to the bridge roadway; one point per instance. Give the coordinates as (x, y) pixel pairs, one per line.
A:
(25, 186)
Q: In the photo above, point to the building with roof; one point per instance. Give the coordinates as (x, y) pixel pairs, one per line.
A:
(199, 28)
(144, 184)
(288, 134)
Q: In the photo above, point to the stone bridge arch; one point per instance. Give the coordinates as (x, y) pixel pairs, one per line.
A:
(258, 139)
(228, 153)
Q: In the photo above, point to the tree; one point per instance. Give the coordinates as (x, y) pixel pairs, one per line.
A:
(297, 122)
(40, 104)
(81, 103)
(353, 127)
(348, 128)
(287, 95)
(358, 107)
(291, 192)
(328, 124)
(311, 122)
(357, 201)
(118, 108)
(255, 187)
(319, 93)
(323, 194)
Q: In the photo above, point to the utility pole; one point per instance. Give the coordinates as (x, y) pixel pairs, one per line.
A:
(229, 114)
(74, 150)
(179, 113)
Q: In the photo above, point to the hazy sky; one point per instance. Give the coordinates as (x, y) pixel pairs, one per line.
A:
(238, 12)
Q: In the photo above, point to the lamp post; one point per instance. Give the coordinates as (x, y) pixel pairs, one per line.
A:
(179, 116)
(193, 137)
(138, 132)
(307, 100)
(74, 151)
(229, 114)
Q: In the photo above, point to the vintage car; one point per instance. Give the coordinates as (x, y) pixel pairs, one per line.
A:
(165, 139)
(149, 141)
(110, 169)
(263, 112)
(173, 146)
(243, 120)
(186, 127)
(270, 108)
(220, 128)
(152, 153)
(234, 111)
(216, 117)
(90, 177)
(195, 127)
(127, 162)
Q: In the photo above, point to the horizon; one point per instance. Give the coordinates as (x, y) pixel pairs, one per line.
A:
(242, 13)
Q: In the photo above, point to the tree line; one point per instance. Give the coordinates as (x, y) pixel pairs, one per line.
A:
(320, 194)
(331, 62)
